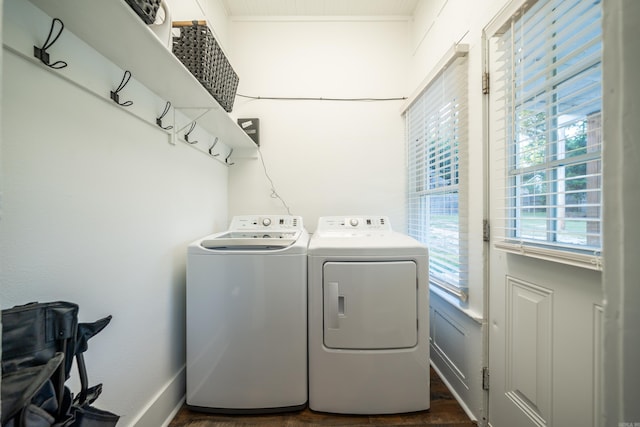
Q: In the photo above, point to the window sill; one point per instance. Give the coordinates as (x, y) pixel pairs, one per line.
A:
(576, 259)
(454, 303)
(460, 293)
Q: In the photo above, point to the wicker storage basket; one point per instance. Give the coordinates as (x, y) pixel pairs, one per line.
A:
(146, 9)
(196, 48)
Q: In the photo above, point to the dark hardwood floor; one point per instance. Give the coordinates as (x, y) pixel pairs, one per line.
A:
(445, 411)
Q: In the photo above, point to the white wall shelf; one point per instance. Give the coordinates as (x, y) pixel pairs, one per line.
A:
(113, 29)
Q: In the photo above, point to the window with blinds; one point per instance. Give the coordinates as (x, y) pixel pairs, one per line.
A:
(550, 86)
(437, 149)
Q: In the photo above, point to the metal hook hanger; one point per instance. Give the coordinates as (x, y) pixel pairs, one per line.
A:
(114, 93)
(226, 160)
(164, 113)
(186, 135)
(211, 148)
(41, 52)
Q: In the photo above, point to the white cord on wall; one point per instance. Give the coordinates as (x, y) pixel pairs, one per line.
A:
(274, 193)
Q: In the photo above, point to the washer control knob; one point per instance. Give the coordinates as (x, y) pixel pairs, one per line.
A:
(353, 222)
(266, 222)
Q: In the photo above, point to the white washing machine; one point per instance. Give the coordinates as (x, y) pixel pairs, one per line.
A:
(368, 318)
(247, 317)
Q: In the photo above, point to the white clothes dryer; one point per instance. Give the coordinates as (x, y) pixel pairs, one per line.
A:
(368, 318)
(247, 317)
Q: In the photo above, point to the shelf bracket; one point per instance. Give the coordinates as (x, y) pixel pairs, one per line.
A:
(194, 119)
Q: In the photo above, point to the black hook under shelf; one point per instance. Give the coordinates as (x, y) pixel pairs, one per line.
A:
(211, 148)
(114, 93)
(41, 52)
(164, 113)
(186, 135)
(226, 160)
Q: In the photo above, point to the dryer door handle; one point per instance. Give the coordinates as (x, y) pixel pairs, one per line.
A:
(332, 305)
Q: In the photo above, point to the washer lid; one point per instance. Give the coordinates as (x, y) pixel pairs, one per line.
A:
(233, 240)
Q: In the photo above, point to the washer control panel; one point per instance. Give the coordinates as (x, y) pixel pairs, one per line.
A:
(265, 222)
(353, 223)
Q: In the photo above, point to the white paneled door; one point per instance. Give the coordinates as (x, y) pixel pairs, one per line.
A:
(544, 343)
(545, 296)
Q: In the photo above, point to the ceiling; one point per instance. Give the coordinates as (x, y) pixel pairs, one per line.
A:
(239, 8)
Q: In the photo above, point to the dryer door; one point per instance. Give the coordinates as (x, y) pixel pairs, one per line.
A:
(370, 305)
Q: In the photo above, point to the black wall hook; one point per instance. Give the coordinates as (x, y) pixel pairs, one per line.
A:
(41, 52)
(186, 135)
(123, 83)
(211, 148)
(164, 113)
(226, 160)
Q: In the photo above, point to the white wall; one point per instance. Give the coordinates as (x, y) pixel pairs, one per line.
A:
(325, 157)
(97, 208)
(458, 330)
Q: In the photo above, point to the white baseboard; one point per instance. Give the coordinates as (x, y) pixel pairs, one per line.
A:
(455, 394)
(165, 404)
(174, 412)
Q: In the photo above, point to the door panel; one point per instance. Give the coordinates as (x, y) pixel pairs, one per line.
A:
(528, 347)
(544, 343)
(370, 305)
(544, 322)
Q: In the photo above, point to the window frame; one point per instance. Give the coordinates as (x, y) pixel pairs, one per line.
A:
(457, 185)
(588, 256)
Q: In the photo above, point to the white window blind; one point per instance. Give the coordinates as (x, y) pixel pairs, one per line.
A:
(437, 150)
(550, 86)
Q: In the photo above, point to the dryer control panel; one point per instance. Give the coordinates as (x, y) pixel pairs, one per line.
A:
(266, 222)
(353, 224)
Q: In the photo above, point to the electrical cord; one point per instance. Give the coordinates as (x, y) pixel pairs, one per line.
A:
(274, 193)
(284, 98)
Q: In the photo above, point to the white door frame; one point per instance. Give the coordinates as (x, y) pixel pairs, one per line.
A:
(621, 201)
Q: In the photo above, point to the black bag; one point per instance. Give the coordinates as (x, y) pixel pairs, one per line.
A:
(39, 342)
